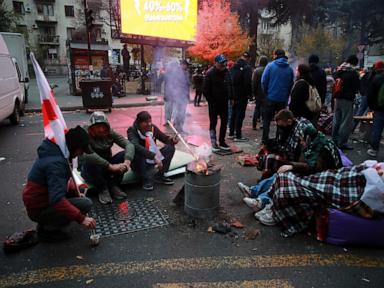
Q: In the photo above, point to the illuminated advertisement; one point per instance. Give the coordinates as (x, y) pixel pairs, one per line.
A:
(173, 19)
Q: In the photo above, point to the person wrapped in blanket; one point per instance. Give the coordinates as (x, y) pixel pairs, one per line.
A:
(317, 153)
(296, 200)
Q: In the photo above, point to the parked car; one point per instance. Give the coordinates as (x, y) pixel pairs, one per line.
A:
(11, 86)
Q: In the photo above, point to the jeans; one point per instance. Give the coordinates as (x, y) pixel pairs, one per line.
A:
(180, 111)
(258, 112)
(363, 109)
(198, 95)
(146, 170)
(260, 190)
(168, 107)
(271, 108)
(214, 112)
(342, 121)
(99, 176)
(238, 115)
(51, 219)
(377, 129)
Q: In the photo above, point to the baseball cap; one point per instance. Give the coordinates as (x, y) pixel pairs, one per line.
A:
(220, 58)
(98, 117)
(246, 55)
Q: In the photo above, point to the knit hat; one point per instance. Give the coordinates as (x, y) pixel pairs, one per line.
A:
(77, 138)
(379, 65)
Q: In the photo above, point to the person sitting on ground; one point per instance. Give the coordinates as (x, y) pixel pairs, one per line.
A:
(319, 154)
(143, 134)
(100, 168)
(46, 196)
(297, 200)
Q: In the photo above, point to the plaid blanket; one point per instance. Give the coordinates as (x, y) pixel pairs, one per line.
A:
(297, 199)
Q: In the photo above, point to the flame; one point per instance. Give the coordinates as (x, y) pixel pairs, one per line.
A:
(200, 166)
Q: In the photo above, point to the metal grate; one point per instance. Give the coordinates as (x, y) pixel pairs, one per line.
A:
(126, 217)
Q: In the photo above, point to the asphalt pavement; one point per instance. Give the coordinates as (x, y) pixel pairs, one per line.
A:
(183, 253)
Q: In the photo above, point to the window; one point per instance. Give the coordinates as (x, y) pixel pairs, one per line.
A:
(70, 33)
(52, 53)
(69, 11)
(45, 9)
(18, 7)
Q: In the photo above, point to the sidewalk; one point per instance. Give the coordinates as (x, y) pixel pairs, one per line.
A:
(69, 102)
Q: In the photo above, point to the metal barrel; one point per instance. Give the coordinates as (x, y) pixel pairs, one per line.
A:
(202, 195)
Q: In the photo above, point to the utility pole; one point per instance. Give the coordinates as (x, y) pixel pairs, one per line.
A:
(89, 25)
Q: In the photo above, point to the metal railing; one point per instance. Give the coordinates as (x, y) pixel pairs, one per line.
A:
(49, 39)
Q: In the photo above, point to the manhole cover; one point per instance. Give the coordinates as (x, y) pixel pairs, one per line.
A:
(128, 216)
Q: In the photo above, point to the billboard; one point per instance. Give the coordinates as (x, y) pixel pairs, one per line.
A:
(172, 19)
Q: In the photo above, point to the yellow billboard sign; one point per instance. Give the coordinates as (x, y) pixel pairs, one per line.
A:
(173, 19)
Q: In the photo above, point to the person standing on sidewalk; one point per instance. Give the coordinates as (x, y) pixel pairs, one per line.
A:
(198, 79)
(347, 86)
(126, 59)
(376, 103)
(318, 76)
(100, 168)
(218, 91)
(258, 92)
(46, 196)
(183, 84)
(277, 82)
(241, 74)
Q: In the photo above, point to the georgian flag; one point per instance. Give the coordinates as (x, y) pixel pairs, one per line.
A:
(54, 123)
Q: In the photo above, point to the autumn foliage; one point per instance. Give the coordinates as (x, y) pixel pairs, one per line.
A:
(218, 31)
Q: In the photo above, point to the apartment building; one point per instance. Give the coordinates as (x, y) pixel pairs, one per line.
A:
(53, 27)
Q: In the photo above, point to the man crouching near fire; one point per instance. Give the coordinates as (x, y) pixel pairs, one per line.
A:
(46, 196)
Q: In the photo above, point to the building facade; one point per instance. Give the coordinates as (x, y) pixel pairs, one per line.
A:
(52, 27)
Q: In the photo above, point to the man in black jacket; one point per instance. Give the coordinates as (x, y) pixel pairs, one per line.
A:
(376, 103)
(318, 76)
(217, 89)
(344, 98)
(241, 74)
(143, 135)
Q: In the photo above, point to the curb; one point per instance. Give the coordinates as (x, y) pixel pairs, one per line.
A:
(117, 106)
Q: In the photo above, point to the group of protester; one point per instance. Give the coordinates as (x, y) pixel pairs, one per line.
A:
(53, 203)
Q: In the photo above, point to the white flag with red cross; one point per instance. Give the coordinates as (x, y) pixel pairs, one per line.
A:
(54, 123)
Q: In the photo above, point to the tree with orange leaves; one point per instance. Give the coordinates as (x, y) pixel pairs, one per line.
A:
(218, 32)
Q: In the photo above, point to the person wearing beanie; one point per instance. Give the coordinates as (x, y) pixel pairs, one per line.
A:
(100, 168)
(376, 103)
(319, 76)
(45, 195)
(258, 93)
(348, 84)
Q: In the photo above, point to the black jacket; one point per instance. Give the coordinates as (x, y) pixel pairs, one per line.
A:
(373, 92)
(135, 139)
(351, 82)
(217, 87)
(241, 74)
(257, 89)
(299, 95)
(320, 80)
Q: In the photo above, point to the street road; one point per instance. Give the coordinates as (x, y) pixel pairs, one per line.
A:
(182, 254)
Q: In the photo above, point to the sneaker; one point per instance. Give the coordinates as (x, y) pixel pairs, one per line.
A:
(244, 189)
(105, 197)
(163, 180)
(253, 203)
(224, 146)
(148, 186)
(117, 193)
(241, 139)
(231, 136)
(215, 147)
(267, 218)
(267, 209)
(372, 152)
(51, 236)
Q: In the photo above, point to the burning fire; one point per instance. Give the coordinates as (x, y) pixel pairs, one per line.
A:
(200, 166)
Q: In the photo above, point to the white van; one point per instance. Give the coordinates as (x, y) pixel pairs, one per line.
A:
(11, 86)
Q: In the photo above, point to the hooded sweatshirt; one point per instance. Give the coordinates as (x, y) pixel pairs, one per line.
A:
(47, 184)
(277, 80)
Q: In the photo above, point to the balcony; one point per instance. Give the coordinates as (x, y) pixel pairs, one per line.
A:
(49, 39)
(46, 19)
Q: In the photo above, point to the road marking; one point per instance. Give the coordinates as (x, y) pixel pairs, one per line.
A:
(277, 283)
(73, 272)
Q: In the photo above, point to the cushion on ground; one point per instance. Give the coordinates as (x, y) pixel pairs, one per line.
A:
(347, 229)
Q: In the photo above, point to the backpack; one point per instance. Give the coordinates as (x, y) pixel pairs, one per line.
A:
(337, 87)
(314, 101)
(380, 97)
